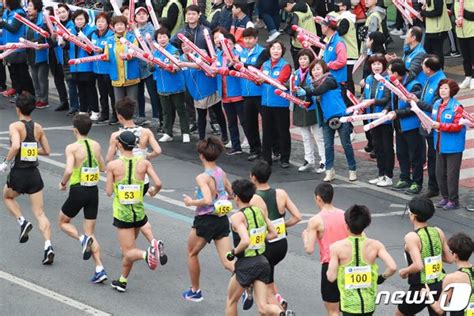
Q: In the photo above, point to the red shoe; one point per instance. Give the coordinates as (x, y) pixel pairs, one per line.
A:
(41, 105)
(151, 258)
(9, 92)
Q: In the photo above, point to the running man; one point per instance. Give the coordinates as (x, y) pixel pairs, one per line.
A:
(28, 140)
(211, 221)
(274, 202)
(84, 162)
(326, 227)
(250, 228)
(426, 249)
(353, 264)
(125, 179)
(125, 109)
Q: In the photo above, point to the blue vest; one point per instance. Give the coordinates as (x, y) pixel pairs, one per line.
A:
(430, 87)
(269, 98)
(167, 82)
(77, 52)
(408, 59)
(332, 104)
(8, 18)
(450, 143)
(232, 83)
(132, 66)
(41, 55)
(250, 89)
(411, 122)
(58, 50)
(198, 84)
(101, 67)
(306, 83)
(330, 55)
(369, 81)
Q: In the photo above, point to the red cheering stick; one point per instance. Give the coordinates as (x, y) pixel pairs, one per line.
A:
(88, 42)
(139, 37)
(131, 11)
(145, 56)
(292, 83)
(71, 38)
(33, 45)
(267, 78)
(302, 38)
(301, 30)
(154, 20)
(227, 48)
(401, 9)
(389, 86)
(31, 25)
(240, 67)
(318, 19)
(194, 48)
(352, 97)
(399, 86)
(205, 67)
(461, 12)
(167, 54)
(239, 74)
(409, 9)
(76, 61)
(149, 41)
(291, 98)
(468, 116)
(48, 21)
(209, 44)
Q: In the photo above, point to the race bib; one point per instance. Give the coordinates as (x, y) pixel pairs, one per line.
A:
(89, 176)
(129, 194)
(29, 151)
(470, 309)
(433, 267)
(222, 207)
(257, 238)
(280, 229)
(358, 277)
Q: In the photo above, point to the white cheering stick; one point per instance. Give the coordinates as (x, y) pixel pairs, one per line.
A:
(209, 44)
(403, 12)
(389, 85)
(154, 20)
(168, 55)
(6, 53)
(208, 70)
(149, 41)
(33, 45)
(147, 57)
(31, 25)
(267, 78)
(410, 10)
(48, 22)
(13, 46)
(359, 62)
(292, 98)
(357, 107)
(116, 7)
(194, 48)
(76, 61)
(139, 37)
(425, 120)
(227, 49)
(361, 117)
(86, 40)
(379, 121)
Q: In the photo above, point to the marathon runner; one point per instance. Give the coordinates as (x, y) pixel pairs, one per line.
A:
(326, 227)
(353, 264)
(212, 206)
(125, 179)
(27, 141)
(84, 162)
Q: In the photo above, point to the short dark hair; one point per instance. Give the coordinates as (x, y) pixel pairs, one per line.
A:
(219, 29)
(126, 108)
(453, 86)
(377, 58)
(119, 19)
(229, 36)
(261, 171)
(433, 62)
(65, 6)
(306, 52)
(103, 15)
(37, 4)
(250, 32)
(321, 63)
(462, 245)
(325, 191)
(357, 218)
(83, 123)
(211, 148)
(423, 208)
(13, 4)
(163, 31)
(242, 5)
(123, 8)
(79, 12)
(50, 10)
(25, 102)
(417, 32)
(244, 189)
(192, 7)
(398, 66)
(283, 48)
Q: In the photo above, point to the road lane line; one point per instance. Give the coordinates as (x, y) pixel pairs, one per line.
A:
(53, 295)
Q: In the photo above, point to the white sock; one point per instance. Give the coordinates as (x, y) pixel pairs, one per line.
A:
(21, 220)
(81, 238)
(98, 269)
(47, 244)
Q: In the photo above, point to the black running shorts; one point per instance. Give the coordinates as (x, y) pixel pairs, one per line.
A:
(121, 224)
(211, 227)
(275, 252)
(25, 180)
(249, 270)
(329, 290)
(80, 197)
(412, 308)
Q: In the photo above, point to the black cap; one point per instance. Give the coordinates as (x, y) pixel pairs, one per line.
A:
(127, 139)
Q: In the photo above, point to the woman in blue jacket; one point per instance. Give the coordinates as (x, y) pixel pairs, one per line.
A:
(449, 141)
(12, 31)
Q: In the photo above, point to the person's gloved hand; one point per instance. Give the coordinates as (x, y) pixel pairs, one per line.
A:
(301, 92)
(4, 166)
(380, 279)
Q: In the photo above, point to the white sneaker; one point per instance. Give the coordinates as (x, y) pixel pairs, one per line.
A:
(386, 182)
(245, 144)
(273, 37)
(466, 83)
(352, 175)
(330, 175)
(95, 116)
(306, 167)
(166, 138)
(376, 180)
(472, 85)
(186, 138)
(321, 168)
(352, 137)
(396, 32)
(228, 145)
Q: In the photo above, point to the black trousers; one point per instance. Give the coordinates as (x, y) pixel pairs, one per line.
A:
(106, 91)
(276, 124)
(448, 167)
(411, 155)
(21, 79)
(467, 50)
(3, 76)
(217, 112)
(432, 183)
(382, 137)
(235, 112)
(58, 77)
(434, 45)
(87, 96)
(251, 111)
(188, 100)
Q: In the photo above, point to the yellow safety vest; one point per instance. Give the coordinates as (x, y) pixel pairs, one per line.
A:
(440, 23)
(207, 12)
(467, 30)
(305, 21)
(180, 22)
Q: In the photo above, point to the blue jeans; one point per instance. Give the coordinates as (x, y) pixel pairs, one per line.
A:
(235, 112)
(73, 95)
(270, 14)
(345, 137)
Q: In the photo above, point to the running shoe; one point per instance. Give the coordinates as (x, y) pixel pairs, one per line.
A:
(192, 296)
(441, 203)
(161, 252)
(9, 93)
(307, 167)
(24, 230)
(119, 286)
(321, 168)
(283, 303)
(87, 247)
(151, 258)
(451, 206)
(233, 151)
(41, 105)
(247, 298)
(99, 277)
(415, 188)
(401, 185)
(48, 256)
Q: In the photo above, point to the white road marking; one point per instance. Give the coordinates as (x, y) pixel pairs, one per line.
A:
(53, 295)
(56, 154)
(397, 205)
(387, 214)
